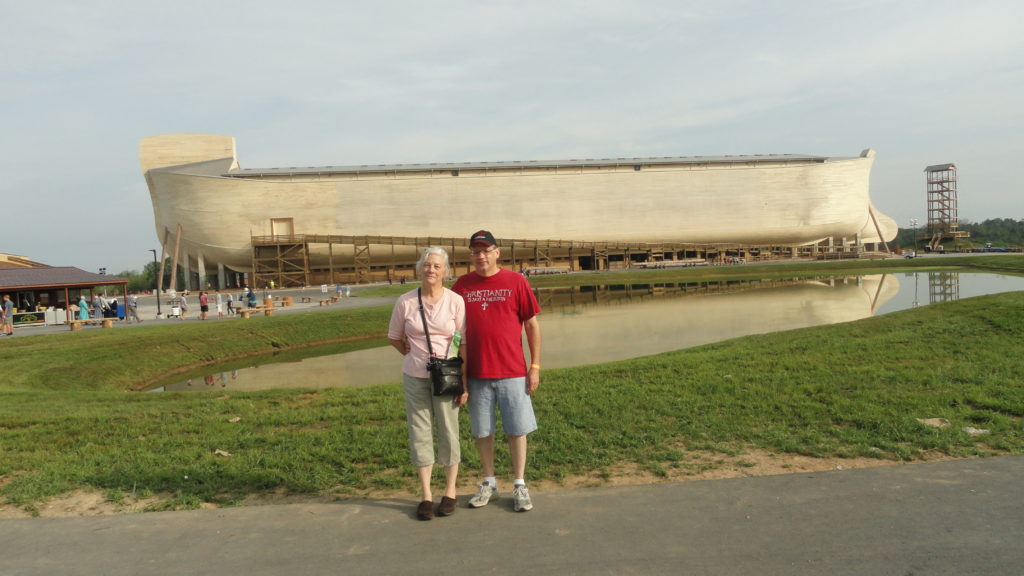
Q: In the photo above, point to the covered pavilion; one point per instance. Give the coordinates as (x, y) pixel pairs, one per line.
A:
(37, 289)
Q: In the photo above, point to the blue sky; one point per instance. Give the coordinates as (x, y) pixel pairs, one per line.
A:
(335, 82)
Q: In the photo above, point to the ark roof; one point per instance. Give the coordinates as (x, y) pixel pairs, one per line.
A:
(518, 164)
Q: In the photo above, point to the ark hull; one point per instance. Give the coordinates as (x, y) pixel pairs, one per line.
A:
(773, 200)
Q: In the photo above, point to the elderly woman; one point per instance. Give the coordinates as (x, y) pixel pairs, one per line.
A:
(445, 313)
(97, 306)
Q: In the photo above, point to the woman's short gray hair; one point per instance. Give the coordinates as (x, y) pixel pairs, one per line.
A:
(423, 259)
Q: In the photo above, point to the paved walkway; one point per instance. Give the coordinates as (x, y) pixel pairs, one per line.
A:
(958, 518)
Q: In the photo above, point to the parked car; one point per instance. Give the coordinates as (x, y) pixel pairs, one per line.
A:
(910, 254)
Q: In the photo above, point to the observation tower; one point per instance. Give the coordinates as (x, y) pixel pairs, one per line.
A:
(943, 221)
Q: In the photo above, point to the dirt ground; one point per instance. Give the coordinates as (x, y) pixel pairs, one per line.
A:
(700, 466)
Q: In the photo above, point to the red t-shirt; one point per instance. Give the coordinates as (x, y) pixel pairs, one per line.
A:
(496, 308)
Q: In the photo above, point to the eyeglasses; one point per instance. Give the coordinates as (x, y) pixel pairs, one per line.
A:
(484, 251)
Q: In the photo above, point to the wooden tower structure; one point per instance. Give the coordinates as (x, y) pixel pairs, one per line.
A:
(943, 220)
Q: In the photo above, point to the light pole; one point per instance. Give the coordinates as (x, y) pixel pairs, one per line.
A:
(156, 278)
(913, 222)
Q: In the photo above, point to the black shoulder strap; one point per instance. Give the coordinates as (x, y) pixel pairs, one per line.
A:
(423, 316)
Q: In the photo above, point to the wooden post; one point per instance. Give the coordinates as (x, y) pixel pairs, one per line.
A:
(174, 260)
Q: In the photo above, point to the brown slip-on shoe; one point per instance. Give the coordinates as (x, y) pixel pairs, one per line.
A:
(446, 507)
(425, 511)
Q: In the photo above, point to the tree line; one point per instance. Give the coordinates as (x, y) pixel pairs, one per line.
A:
(145, 281)
(1000, 232)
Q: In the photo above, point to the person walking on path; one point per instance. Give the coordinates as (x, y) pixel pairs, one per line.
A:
(133, 308)
(83, 308)
(97, 306)
(204, 305)
(499, 305)
(444, 312)
(219, 300)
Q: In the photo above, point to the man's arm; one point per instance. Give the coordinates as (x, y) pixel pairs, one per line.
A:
(532, 327)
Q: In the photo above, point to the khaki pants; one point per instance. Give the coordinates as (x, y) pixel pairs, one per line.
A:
(423, 411)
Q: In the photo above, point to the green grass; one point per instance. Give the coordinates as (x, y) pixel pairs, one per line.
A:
(117, 360)
(68, 421)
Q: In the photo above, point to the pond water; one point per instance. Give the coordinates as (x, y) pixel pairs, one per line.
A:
(593, 324)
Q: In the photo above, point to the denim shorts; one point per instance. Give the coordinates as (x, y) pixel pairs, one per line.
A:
(510, 397)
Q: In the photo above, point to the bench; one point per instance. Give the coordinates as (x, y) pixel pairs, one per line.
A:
(104, 322)
(306, 299)
(246, 312)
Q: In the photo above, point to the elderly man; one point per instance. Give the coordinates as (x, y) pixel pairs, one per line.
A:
(499, 305)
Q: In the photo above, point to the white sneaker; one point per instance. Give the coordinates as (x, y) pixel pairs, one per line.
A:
(521, 499)
(483, 495)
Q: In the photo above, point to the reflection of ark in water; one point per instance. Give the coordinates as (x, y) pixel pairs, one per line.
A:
(199, 191)
(675, 321)
(616, 323)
